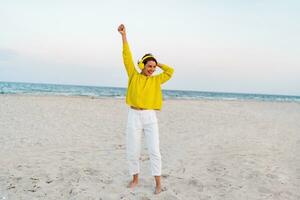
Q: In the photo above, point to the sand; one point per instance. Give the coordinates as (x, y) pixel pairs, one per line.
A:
(55, 147)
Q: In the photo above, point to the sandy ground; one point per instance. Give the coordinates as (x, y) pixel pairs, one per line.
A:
(55, 147)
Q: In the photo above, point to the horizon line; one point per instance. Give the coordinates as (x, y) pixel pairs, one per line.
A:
(185, 90)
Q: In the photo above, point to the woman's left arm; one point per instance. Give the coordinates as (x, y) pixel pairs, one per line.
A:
(167, 72)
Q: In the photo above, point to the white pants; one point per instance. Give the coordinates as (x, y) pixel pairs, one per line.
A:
(140, 121)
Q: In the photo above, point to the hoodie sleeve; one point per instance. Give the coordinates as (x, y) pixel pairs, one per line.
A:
(167, 73)
(127, 59)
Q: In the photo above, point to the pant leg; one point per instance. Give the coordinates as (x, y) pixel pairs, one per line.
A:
(152, 138)
(133, 141)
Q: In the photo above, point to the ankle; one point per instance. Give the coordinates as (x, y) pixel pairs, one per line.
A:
(135, 178)
(135, 181)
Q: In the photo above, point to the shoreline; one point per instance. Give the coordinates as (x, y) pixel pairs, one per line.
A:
(166, 99)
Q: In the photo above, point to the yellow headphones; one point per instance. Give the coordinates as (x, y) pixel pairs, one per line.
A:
(141, 61)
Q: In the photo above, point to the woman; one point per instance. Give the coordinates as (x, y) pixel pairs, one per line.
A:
(144, 96)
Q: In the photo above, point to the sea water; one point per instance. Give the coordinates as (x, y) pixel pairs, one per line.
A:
(118, 92)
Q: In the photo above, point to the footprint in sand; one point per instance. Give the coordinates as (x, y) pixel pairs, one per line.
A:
(264, 190)
(193, 184)
(107, 180)
(90, 171)
(170, 197)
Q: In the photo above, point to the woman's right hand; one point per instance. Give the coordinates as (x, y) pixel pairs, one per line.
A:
(122, 29)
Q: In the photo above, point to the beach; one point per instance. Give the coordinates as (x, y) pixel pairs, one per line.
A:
(68, 147)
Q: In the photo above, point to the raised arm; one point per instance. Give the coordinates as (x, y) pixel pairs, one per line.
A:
(127, 57)
(167, 72)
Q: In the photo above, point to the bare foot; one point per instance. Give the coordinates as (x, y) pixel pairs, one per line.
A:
(157, 190)
(132, 184)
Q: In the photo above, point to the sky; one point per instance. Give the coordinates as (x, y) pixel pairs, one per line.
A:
(222, 46)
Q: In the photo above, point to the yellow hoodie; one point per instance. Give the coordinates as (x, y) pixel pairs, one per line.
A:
(143, 91)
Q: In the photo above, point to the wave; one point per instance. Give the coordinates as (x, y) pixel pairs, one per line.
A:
(118, 92)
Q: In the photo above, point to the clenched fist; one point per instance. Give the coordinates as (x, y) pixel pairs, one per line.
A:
(122, 29)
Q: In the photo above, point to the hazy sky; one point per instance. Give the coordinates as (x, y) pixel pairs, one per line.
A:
(230, 46)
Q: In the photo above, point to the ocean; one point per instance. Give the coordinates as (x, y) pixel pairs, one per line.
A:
(116, 92)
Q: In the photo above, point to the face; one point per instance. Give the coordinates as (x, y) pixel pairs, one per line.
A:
(149, 68)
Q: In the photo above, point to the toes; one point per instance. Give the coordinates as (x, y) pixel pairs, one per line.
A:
(157, 190)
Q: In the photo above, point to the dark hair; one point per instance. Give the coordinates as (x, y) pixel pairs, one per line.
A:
(149, 59)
